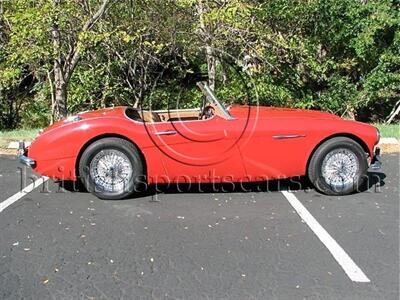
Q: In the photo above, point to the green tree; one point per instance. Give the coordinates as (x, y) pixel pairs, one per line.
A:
(336, 55)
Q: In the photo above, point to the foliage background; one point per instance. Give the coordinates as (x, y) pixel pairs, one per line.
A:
(341, 56)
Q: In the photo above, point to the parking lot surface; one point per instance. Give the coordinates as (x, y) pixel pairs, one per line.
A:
(57, 244)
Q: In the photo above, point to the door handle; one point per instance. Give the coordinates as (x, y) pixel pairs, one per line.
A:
(168, 132)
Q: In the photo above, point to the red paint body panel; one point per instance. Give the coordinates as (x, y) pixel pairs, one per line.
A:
(265, 156)
(247, 148)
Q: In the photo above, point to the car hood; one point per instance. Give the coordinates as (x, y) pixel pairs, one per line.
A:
(264, 112)
(105, 112)
(111, 111)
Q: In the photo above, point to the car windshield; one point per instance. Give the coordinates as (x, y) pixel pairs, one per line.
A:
(209, 108)
(213, 99)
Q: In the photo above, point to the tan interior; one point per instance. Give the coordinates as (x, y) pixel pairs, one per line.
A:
(162, 116)
(178, 115)
(168, 115)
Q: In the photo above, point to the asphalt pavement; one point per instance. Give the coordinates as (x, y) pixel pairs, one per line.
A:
(243, 244)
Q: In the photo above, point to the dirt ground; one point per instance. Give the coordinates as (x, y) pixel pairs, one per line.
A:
(8, 151)
(390, 148)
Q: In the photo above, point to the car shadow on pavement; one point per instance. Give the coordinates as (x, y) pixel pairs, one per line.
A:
(374, 179)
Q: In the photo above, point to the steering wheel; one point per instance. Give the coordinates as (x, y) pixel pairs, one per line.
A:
(207, 113)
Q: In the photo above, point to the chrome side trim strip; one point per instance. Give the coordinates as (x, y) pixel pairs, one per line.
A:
(288, 136)
(169, 132)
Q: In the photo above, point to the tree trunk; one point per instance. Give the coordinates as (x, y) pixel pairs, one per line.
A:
(60, 94)
(60, 85)
(211, 63)
(64, 66)
(53, 101)
(394, 113)
(210, 55)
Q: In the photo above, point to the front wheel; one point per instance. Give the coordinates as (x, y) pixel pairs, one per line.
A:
(338, 167)
(111, 168)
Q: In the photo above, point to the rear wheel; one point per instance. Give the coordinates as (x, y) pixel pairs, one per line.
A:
(111, 168)
(338, 167)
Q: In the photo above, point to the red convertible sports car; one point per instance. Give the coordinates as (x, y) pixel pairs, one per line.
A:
(116, 151)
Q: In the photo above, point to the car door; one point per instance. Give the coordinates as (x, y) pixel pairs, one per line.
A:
(198, 150)
(272, 148)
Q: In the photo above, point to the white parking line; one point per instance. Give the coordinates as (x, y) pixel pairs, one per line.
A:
(19, 195)
(344, 260)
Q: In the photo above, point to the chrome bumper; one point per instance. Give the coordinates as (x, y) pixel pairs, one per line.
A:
(376, 162)
(21, 155)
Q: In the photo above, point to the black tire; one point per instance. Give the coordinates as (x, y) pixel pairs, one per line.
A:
(127, 153)
(342, 147)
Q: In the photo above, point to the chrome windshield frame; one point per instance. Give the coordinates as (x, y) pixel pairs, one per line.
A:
(213, 99)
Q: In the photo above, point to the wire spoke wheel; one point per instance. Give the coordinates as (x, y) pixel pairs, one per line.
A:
(340, 167)
(111, 170)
